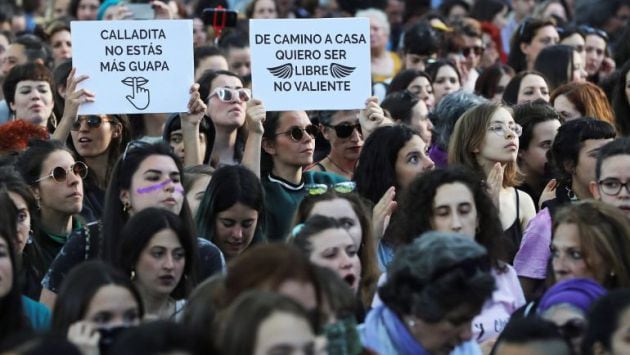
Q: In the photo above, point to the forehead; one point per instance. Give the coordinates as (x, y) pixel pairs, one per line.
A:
(501, 115)
(595, 41)
(226, 81)
(453, 192)
(58, 158)
(344, 116)
(420, 80)
(165, 237)
(446, 70)
(330, 238)
(157, 162)
(574, 39)
(338, 207)
(293, 118)
(16, 50)
(547, 31)
(32, 83)
(532, 80)
(414, 144)
(591, 144)
(616, 166)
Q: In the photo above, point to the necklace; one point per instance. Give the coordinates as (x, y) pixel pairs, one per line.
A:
(346, 172)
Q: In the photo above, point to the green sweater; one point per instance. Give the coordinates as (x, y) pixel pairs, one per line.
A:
(282, 199)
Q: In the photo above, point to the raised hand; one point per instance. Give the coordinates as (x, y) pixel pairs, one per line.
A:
(255, 117)
(85, 336)
(382, 212)
(74, 97)
(372, 117)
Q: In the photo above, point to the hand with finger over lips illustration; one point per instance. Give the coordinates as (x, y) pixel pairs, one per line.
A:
(140, 96)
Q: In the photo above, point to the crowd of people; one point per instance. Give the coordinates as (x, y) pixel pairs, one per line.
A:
(479, 202)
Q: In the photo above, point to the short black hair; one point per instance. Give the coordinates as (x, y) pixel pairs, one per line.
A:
(205, 51)
(34, 48)
(568, 142)
(531, 113)
(525, 330)
(421, 39)
(620, 146)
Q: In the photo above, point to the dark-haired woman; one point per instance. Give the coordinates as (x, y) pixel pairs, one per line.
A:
(287, 139)
(158, 251)
(147, 175)
(232, 211)
(28, 90)
(445, 78)
(453, 200)
(226, 99)
(96, 300)
(531, 36)
(416, 81)
(56, 179)
(407, 108)
(17, 313)
(621, 100)
(560, 64)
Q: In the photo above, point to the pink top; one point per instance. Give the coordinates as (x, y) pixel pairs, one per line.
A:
(496, 312)
(533, 256)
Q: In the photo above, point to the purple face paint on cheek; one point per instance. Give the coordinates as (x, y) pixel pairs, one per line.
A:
(159, 186)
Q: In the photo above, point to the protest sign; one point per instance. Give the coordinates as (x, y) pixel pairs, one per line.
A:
(311, 64)
(134, 66)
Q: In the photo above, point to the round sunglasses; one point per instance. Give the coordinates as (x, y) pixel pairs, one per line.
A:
(229, 95)
(60, 174)
(296, 133)
(344, 130)
(92, 122)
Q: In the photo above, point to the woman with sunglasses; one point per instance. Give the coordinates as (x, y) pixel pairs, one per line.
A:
(57, 183)
(485, 140)
(147, 175)
(232, 211)
(287, 139)
(343, 131)
(226, 100)
(348, 208)
(96, 140)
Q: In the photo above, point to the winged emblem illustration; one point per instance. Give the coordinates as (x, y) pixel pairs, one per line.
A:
(340, 71)
(284, 71)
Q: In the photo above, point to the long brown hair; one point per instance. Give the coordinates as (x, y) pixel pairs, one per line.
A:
(468, 136)
(604, 231)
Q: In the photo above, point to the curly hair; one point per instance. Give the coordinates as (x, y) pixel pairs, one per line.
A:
(16, 135)
(415, 212)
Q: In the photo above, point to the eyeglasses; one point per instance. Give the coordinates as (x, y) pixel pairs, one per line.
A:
(92, 122)
(345, 130)
(501, 129)
(588, 30)
(612, 187)
(296, 133)
(341, 187)
(229, 95)
(478, 50)
(60, 174)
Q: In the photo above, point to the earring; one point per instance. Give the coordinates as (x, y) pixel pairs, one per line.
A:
(126, 206)
(411, 323)
(133, 274)
(612, 273)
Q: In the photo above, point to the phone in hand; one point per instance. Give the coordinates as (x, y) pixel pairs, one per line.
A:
(219, 17)
(141, 11)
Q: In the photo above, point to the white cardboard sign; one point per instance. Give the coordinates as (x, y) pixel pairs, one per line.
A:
(311, 64)
(134, 66)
